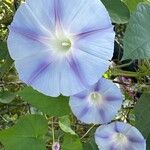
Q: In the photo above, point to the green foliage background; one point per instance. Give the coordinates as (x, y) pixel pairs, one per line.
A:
(30, 120)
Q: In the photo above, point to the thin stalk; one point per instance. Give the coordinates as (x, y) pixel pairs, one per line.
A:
(88, 131)
(117, 72)
(53, 132)
(124, 65)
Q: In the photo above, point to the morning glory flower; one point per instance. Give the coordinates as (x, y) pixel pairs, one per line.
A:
(56, 146)
(61, 46)
(97, 105)
(119, 136)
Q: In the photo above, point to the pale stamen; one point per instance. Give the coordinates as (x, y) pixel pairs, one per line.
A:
(95, 98)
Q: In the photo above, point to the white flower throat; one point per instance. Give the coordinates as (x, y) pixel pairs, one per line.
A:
(62, 41)
(96, 98)
(120, 139)
(62, 45)
(65, 44)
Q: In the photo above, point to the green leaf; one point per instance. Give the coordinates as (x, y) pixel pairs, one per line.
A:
(48, 105)
(148, 143)
(90, 145)
(3, 50)
(137, 36)
(6, 97)
(132, 4)
(142, 114)
(4, 55)
(118, 11)
(27, 134)
(6, 66)
(65, 125)
(71, 142)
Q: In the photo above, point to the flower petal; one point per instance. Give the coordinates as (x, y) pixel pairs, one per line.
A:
(111, 93)
(99, 111)
(105, 137)
(99, 44)
(45, 16)
(70, 80)
(136, 139)
(80, 12)
(32, 30)
(90, 66)
(32, 16)
(23, 43)
(36, 44)
(41, 72)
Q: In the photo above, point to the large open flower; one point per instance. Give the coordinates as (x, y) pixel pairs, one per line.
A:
(97, 105)
(119, 136)
(61, 46)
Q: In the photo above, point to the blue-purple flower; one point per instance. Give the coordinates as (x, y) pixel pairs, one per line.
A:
(119, 136)
(97, 105)
(61, 46)
(56, 146)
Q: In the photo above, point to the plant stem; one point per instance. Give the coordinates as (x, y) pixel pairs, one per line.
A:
(124, 65)
(117, 72)
(88, 131)
(53, 132)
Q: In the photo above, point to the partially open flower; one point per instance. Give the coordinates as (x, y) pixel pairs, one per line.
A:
(97, 105)
(119, 136)
(61, 46)
(56, 146)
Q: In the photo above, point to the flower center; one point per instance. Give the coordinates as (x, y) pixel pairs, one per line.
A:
(96, 98)
(63, 45)
(120, 139)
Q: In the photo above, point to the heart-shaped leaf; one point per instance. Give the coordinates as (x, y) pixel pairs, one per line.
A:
(26, 134)
(49, 105)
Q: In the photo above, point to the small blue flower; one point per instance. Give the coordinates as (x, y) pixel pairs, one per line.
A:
(61, 46)
(97, 105)
(56, 146)
(119, 136)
